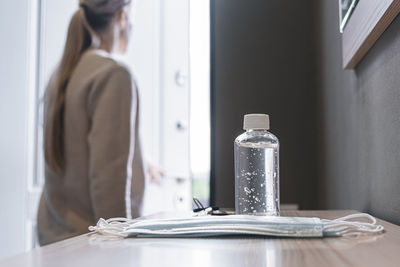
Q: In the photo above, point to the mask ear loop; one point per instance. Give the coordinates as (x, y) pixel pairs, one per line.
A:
(96, 41)
(112, 227)
(343, 227)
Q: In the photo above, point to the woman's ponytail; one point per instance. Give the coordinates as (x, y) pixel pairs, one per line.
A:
(78, 40)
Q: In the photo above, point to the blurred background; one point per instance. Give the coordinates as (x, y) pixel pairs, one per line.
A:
(201, 65)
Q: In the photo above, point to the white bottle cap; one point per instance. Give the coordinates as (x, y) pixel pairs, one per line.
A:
(256, 121)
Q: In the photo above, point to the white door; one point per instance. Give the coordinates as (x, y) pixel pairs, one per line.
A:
(174, 117)
(159, 56)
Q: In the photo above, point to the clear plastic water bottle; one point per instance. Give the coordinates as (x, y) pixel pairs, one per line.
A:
(257, 168)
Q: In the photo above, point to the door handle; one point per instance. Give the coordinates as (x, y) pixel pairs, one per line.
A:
(180, 78)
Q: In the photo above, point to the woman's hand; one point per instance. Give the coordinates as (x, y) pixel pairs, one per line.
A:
(155, 174)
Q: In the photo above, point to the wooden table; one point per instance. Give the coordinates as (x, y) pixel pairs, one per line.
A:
(90, 250)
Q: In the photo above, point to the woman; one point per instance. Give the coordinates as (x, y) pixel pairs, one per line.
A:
(93, 157)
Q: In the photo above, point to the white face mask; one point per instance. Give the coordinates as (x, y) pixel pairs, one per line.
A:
(237, 225)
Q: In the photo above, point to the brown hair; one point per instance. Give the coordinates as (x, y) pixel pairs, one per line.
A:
(84, 23)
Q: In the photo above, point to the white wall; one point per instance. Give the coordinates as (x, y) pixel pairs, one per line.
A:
(14, 124)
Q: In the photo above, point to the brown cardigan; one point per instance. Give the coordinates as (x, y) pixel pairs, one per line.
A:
(104, 174)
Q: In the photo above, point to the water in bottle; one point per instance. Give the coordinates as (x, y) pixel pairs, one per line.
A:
(257, 168)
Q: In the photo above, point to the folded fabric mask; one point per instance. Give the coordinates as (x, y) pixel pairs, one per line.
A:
(206, 226)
